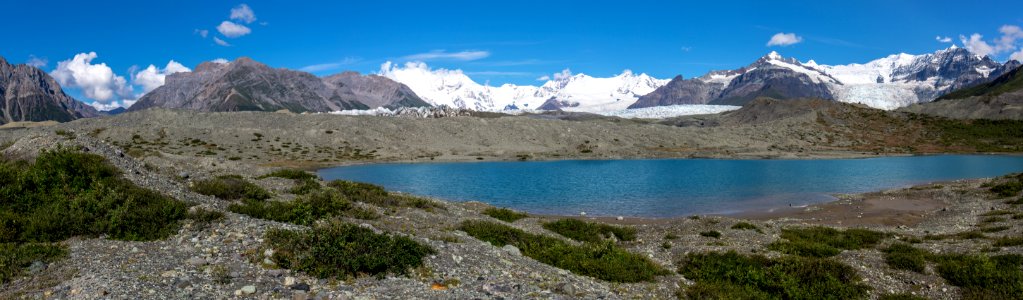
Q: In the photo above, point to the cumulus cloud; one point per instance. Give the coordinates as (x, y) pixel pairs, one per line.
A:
(1008, 42)
(220, 61)
(976, 44)
(221, 42)
(564, 74)
(232, 29)
(784, 39)
(943, 39)
(544, 78)
(243, 13)
(202, 32)
(444, 55)
(36, 62)
(1018, 56)
(97, 81)
(330, 65)
(152, 77)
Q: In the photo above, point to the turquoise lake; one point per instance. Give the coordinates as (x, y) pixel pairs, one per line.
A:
(667, 187)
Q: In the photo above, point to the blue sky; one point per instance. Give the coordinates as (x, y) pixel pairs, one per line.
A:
(496, 42)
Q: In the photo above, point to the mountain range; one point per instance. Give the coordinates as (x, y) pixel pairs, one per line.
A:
(29, 94)
(247, 85)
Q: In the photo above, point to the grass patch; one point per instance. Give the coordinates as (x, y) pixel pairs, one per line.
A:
(1008, 241)
(824, 241)
(67, 193)
(734, 276)
(305, 209)
(903, 296)
(746, 226)
(504, 214)
(994, 229)
(990, 220)
(230, 187)
(14, 258)
(376, 195)
(983, 277)
(289, 174)
(342, 250)
(905, 257)
(202, 217)
(1007, 189)
(965, 235)
(590, 232)
(599, 260)
(671, 236)
(996, 213)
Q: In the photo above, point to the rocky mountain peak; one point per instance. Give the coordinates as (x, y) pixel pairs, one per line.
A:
(30, 94)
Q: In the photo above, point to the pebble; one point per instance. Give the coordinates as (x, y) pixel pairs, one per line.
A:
(289, 281)
(196, 261)
(301, 287)
(248, 289)
(511, 250)
(36, 267)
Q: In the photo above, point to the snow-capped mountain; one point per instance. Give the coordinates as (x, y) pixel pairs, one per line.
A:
(887, 83)
(578, 92)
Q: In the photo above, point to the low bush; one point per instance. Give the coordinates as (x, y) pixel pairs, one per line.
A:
(599, 260)
(1008, 241)
(289, 174)
(504, 214)
(14, 258)
(983, 277)
(1000, 212)
(713, 233)
(903, 296)
(589, 232)
(1007, 189)
(994, 229)
(303, 210)
(230, 187)
(905, 257)
(824, 241)
(342, 250)
(965, 235)
(734, 276)
(376, 195)
(203, 217)
(746, 226)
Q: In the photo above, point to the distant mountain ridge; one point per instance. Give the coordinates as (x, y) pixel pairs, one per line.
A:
(30, 94)
(247, 85)
(1001, 98)
(887, 83)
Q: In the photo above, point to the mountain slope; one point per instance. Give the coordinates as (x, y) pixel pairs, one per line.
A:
(246, 85)
(29, 94)
(578, 92)
(1009, 82)
(1001, 98)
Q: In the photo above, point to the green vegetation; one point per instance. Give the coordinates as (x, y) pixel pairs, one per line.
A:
(995, 229)
(66, 193)
(905, 257)
(203, 217)
(824, 241)
(713, 233)
(230, 187)
(342, 250)
(304, 210)
(904, 296)
(734, 276)
(1008, 241)
(1007, 189)
(14, 258)
(746, 226)
(289, 174)
(965, 235)
(376, 195)
(599, 260)
(979, 135)
(590, 232)
(983, 277)
(504, 214)
(1010, 81)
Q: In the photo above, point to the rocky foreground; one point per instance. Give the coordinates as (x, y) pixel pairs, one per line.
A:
(170, 152)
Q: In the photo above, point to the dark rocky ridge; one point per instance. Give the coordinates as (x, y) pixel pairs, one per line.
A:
(247, 85)
(29, 94)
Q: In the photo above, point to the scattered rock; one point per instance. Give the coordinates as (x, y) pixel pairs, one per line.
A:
(511, 250)
(248, 289)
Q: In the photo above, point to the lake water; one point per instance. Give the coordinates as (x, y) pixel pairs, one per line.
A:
(667, 187)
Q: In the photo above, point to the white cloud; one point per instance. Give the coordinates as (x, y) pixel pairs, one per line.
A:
(1010, 33)
(243, 13)
(784, 39)
(331, 65)
(152, 77)
(1018, 56)
(977, 45)
(232, 29)
(221, 42)
(687, 49)
(444, 55)
(943, 39)
(564, 74)
(97, 81)
(220, 61)
(105, 106)
(544, 78)
(202, 32)
(128, 103)
(36, 62)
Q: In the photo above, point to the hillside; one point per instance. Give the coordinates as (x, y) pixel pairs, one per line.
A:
(28, 94)
(1002, 98)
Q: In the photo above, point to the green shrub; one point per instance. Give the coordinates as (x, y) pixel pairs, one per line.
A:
(599, 260)
(713, 233)
(14, 258)
(965, 235)
(289, 174)
(746, 226)
(734, 276)
(203, 217)
(342, 250)
(504, 214)
(995, 229)
(303, 210)
(589, 232)
(903, 296)
(1000, 212)
(671, 236)
(67, 193)
(905, 257)
(824, 241)
(983, 277)
(305, 186)
(230, 187)
(1007, 189)
(1008, 241)
(376, 195)
(989, 220)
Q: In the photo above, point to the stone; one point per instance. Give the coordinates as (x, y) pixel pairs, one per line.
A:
(511, 250)
(289, 281)
(183, 175)
(300, 287)
(36, 267)
(248, 289)
(196, 261)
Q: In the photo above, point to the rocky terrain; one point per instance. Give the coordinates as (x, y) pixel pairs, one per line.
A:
(220, 259)
(29, 94)
(1002, 98)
